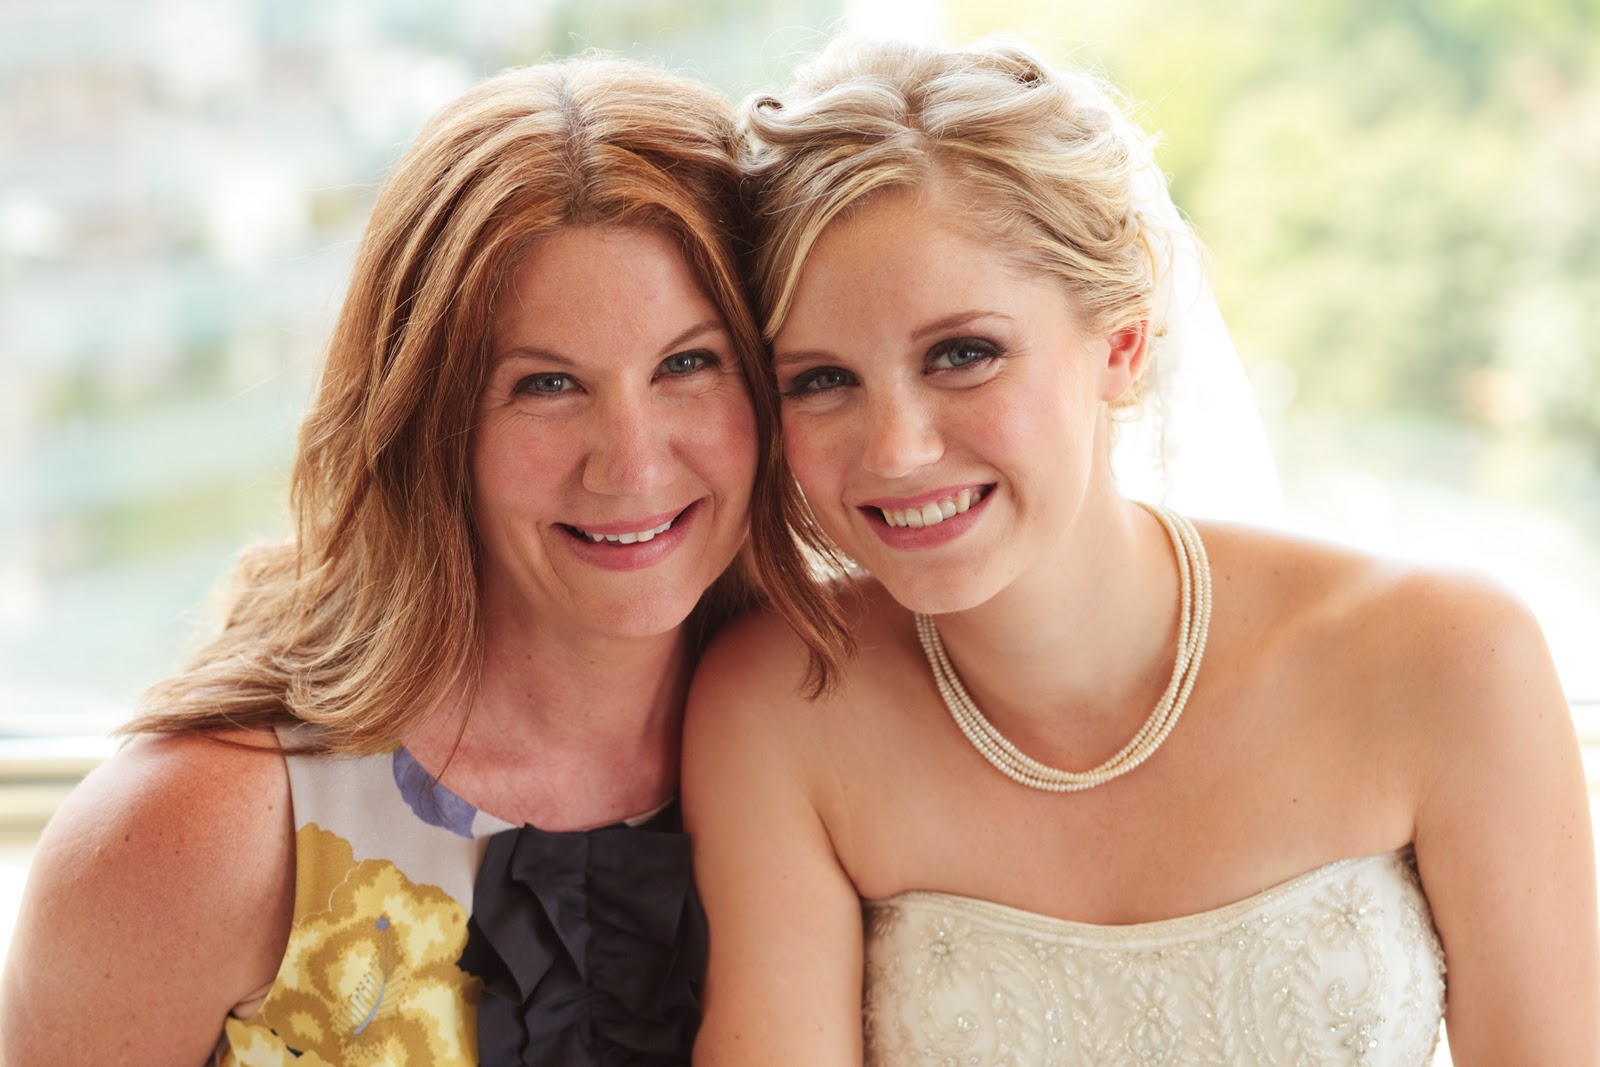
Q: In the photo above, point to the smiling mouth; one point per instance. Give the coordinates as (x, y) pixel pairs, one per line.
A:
(936, 511)
(632, 537)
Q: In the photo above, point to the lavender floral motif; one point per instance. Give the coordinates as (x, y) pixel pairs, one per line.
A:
(432, 802)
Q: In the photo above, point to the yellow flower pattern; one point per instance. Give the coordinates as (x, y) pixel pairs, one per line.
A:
(250, 1044)
(368, 980)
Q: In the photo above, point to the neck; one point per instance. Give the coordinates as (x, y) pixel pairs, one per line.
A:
(547, 689)
(1084, 644)
(560, 728)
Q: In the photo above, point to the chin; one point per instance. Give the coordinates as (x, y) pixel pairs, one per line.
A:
(928, 594)
(641, 620)
(652, 615)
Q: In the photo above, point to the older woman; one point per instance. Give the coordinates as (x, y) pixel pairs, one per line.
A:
(414, 804)
(1113, 787)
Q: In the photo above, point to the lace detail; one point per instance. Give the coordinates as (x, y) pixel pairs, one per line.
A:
(1339, 966)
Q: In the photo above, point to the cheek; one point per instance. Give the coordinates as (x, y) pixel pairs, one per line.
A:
(513, 467)
(1017, 433)
(817, 451)
(721, 439)
(1046, 416)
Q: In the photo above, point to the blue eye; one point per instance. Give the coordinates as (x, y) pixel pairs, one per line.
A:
(545, 383)
(960, 352)
(688, 362)
(818, 380)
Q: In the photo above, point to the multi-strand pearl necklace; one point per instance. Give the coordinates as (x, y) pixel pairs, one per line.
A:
(1194, 622)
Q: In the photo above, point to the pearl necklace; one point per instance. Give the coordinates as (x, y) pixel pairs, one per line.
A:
(1194, 623)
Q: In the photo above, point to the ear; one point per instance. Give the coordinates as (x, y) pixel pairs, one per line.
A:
(1125, 354)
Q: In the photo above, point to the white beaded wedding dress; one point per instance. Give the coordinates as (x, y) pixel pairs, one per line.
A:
(1338, 966)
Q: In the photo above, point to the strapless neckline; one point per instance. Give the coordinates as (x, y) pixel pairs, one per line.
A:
(1152, 930)
(1340, 964)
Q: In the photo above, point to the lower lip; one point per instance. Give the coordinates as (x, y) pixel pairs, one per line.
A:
(641, 554)
(916, 538)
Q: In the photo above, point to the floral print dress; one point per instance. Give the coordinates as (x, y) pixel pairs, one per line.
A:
(590, 948)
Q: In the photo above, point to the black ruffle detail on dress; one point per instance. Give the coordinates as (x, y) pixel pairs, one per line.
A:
(591, 946)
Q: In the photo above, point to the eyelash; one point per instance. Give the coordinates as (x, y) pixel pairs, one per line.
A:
(703, 360)
(806, 382)
(985, 352)
(529, 386)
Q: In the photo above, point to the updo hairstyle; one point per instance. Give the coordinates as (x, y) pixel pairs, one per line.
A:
(1044, 162)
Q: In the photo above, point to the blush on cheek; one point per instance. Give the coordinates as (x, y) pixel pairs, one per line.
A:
(727, 435)
(814, 465)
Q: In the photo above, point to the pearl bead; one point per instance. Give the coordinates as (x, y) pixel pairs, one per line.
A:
(1194, 623)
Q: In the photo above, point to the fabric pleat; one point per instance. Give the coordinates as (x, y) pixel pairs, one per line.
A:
(591, 946)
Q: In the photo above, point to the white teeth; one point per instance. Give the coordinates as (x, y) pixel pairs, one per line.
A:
(932, 514)
(627, 538)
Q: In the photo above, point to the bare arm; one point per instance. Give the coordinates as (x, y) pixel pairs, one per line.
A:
(1504, 843)
(159, 897)
(786, 944)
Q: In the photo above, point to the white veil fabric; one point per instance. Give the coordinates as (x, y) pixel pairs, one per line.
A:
(1195, 440)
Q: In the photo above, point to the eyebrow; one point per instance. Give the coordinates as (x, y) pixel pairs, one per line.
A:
(806, 355)
(959, 319)
(697, 330)
(937, 326)
(548, 355)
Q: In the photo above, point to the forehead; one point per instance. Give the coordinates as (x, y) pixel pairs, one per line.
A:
(593, 283)
(903, 252)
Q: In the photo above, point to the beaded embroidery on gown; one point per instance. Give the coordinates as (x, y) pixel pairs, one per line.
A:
(1338, 966)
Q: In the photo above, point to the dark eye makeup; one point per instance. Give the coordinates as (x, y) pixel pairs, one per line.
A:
(818, 380)
(958, 353)
(949, 356)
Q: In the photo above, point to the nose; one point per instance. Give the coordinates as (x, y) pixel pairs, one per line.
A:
(628, 448)
(901, 435)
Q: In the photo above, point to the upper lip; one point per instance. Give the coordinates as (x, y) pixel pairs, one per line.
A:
(900, 503)
(645, 522)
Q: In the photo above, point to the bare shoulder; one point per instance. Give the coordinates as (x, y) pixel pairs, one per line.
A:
(758, 659)
(749, 706)
(1434, 687)
(755, 653)
(1435, 640)
(1281, 574)
(160, 893)
(748, 698)
(216, 794)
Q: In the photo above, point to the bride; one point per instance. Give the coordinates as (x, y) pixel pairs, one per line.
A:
(1109, 785)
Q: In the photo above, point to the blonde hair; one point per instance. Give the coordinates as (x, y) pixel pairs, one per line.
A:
(1044, 163)
(1043, 160)
(364, 620)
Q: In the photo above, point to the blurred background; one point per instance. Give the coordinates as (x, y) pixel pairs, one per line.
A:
(1402, 200)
